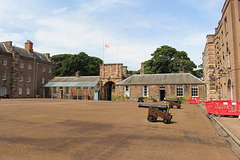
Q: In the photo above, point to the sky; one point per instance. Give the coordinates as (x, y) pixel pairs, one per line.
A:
(133, 29)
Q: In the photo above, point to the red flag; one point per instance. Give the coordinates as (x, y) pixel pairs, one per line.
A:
(107, 46)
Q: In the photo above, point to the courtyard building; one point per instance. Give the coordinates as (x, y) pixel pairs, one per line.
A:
(221, 56)
(161, 86)
(23, 71)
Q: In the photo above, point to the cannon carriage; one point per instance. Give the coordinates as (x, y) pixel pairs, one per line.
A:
(155, 111)
(174, 102)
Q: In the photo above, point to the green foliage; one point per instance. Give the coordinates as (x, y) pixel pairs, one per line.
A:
(67, 64)
(166, 60)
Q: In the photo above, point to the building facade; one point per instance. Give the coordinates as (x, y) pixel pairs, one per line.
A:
(23, 71)
(221, 56)
(161, 86)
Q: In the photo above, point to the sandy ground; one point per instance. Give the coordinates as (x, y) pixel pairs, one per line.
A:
(34, 129)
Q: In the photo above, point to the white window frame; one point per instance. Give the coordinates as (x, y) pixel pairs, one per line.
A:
(194, 91)
(28, 78)
(126, 91)
(44, 69)
(20, 78)
(28, 90)
(180, 91)
(5, 62)
(20, 90)
(49, 70)
(21, 65)
(43, 80)
(29, 66)
(145, 91)
(4, 75)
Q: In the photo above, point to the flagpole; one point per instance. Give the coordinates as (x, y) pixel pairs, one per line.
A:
(103, 61)
(117, 56)
(103, 51)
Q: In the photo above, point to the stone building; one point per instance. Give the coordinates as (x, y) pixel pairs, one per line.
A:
(160, 86)
(88, 87)
(23, 71)
(221, 56)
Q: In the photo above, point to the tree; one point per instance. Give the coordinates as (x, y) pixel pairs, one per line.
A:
(68, 65)
(166, 60)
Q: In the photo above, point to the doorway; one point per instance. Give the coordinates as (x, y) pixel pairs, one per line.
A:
(162, 93)
(108, 88)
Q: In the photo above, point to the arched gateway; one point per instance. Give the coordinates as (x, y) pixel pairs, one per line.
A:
(110, 74)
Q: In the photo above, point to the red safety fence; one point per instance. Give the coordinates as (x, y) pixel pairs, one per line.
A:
(223, 107)
(194, 100)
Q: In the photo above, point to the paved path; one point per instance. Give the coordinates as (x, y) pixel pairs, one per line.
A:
(230, 127)
(69, 130)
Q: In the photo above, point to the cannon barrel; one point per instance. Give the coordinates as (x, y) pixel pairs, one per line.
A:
(160, 107)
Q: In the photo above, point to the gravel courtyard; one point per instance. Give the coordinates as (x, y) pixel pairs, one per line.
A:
(34, 129)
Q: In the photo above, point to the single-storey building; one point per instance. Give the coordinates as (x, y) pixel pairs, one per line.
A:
(160, 86)
(78, 87)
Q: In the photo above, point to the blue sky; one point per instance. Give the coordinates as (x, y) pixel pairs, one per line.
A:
(133, 28)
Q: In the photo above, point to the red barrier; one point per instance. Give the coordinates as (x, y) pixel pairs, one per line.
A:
(194, 100)
(223, 107)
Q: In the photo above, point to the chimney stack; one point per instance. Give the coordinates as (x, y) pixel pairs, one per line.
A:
(181, 68)
(142, 71)
(29, 46)
(78, 74)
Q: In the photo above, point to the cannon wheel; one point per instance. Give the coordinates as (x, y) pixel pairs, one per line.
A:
(179, 106)
(166, 121)
(170, 106)
(151, 118)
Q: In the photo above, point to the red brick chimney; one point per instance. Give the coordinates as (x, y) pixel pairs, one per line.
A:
(29, 46)
(78, 74)
(181, 68)
(142, 71)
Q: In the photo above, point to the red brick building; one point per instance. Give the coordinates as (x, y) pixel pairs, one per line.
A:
(23, 71)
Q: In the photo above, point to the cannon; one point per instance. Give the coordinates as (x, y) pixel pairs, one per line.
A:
(155, 111)
(174, 102)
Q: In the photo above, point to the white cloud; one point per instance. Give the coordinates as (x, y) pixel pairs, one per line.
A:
(60, 10)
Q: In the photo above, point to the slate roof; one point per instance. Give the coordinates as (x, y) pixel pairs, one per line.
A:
(23, 52)
(154, 79)
(82, 81)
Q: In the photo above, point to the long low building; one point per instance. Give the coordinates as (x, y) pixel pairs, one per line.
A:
(160, 86)
(78, 87)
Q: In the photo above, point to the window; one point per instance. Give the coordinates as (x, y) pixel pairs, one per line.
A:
(92, 88)
(28, 78)
(179, 90)
(21, 65)
(49, 70)
(28, 90)
(21, 78)
(226, 25)
(4, 75)
(85, 88)
(66, 90)
(126, 91)
(20, 90)
(3, 90)
(54, 89)
(145, 91)
(4, 62)
(0, 61)
(194, 91)
(44, 69)
(43, 80)
(29, 66)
